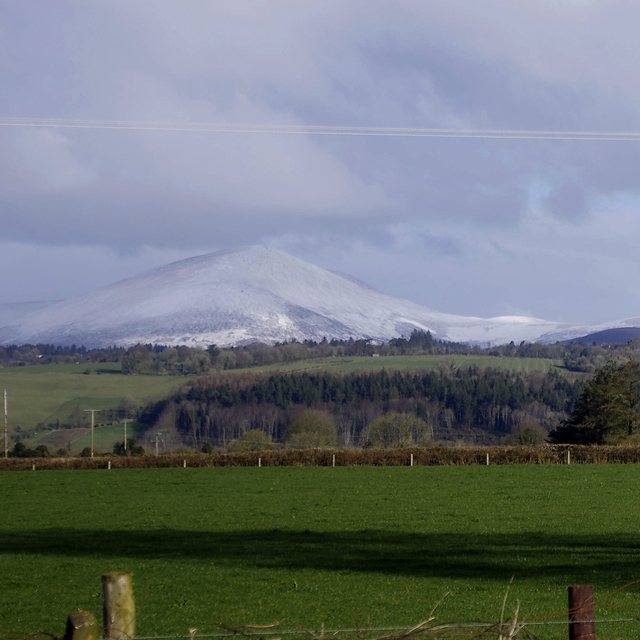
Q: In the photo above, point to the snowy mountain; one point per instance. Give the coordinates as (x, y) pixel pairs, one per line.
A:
(11, 311)
(257, 294)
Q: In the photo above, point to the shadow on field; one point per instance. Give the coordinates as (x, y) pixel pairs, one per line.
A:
(615, 557)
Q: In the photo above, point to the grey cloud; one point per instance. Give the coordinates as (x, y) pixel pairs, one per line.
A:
(441, 246)
(302, 64)
(460, 64)
(568, 200)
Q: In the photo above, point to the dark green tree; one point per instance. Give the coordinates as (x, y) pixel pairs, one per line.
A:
(136, 360)
(133, 448)
(607, 411)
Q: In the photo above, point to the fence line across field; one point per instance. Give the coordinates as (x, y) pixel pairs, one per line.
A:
(319, 632)
(416, 457)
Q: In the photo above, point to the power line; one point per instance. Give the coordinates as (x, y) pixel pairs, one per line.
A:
(327, 130)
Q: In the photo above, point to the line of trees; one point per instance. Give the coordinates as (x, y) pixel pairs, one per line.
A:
(183, 360)
(481, 406)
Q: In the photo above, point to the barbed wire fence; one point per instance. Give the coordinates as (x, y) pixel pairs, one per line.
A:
(579, 618)
(509, 629)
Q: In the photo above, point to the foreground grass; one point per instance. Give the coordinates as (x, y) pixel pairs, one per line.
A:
(310, 545)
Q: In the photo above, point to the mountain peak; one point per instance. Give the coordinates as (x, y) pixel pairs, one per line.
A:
(254, 293)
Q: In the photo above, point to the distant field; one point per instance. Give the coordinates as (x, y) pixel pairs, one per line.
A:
(342, 546)
(75, 440)
(525, 365)
(43, 393)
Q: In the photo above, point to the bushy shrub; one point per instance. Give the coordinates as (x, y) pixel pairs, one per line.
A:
(252, 440)
(527, 433)
(397, 430)
(133, 448)
(21, 451)
(311, 428)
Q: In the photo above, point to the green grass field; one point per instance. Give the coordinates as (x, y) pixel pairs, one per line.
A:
(306, 546)
(43, 393)
(104, 437)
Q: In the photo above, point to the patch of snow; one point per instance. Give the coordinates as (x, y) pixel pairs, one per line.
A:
(11, 311)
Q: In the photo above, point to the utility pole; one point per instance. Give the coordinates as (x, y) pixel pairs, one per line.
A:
(93, 411)
(6, 427)
(125, 434)
(157, 438)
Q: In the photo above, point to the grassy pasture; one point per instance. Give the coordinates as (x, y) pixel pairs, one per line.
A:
(42, 393)
(104, 437)
(313, 545)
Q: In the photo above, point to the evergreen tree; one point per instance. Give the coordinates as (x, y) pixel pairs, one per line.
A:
(607, 410)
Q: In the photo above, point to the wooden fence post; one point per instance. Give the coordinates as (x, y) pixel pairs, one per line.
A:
(119, 610)
(81, 625)
(582, 624)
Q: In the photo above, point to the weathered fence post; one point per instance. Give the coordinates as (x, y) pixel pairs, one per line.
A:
(582, 624)
(119, 611)
(259, 462)
(487, 459)
(412, 459)
(333, 461)
(81, 625)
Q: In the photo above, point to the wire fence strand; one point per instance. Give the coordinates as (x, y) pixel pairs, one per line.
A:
(356, 630)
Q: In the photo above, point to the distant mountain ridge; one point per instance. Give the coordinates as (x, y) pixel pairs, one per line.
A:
(258, 294)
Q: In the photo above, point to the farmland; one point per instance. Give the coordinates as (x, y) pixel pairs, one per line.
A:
(44, 393)
(308, 546)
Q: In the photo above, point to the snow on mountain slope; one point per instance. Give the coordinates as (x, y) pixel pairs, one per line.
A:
(11, 311)
(248, 294)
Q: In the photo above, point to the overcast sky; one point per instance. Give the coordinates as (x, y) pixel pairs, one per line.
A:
(473, 227)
